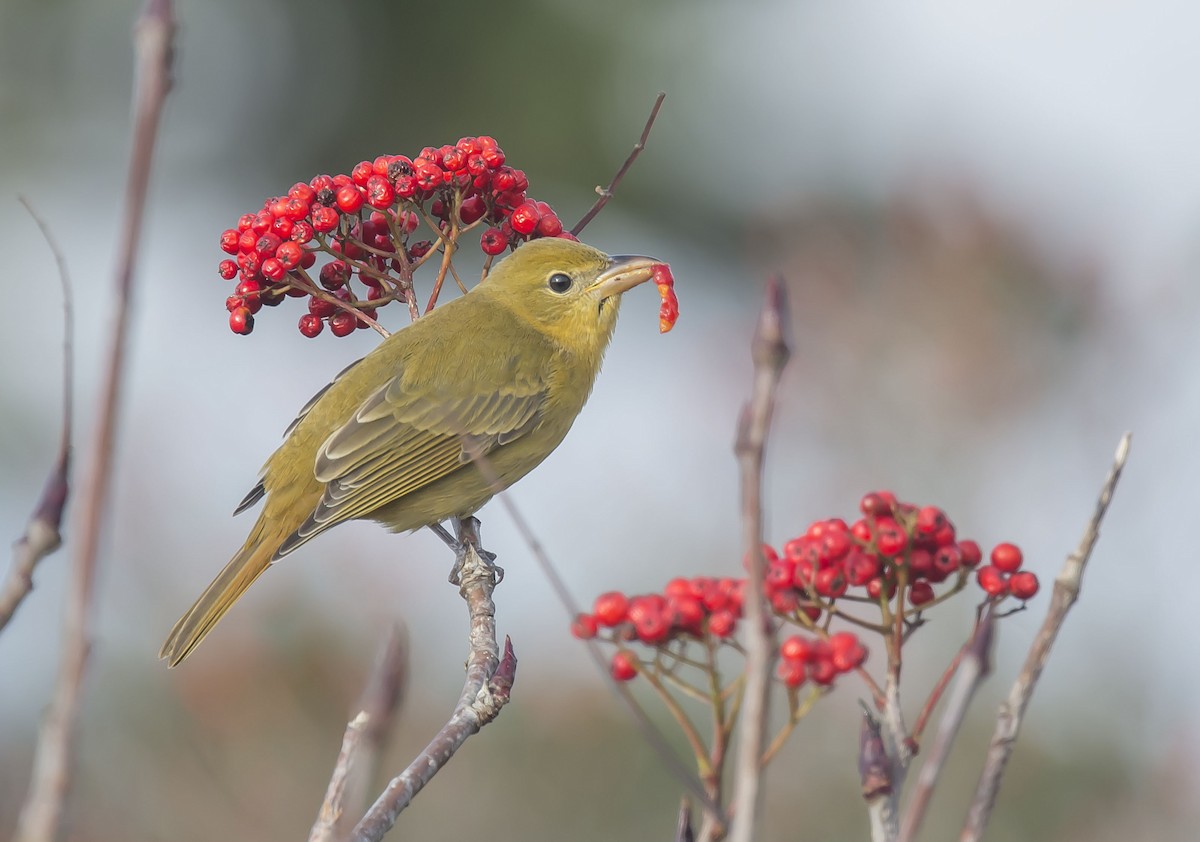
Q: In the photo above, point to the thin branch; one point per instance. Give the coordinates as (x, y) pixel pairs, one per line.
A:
(1012, 711)
(606, 193)
(770, 352)
(487, 689)
(325, 827)
(366, 735)
(43, 531)
(41, 814)
(650, 731)
(683, 826)
(975, 667)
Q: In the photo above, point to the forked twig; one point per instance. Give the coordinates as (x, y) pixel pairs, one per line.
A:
(486, 691)
(1012, 710)
(43, 531)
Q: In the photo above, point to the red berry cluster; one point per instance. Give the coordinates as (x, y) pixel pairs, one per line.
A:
(365, 221)
(821, 661)
(892, 542)
(686, 607)
(1004, 575)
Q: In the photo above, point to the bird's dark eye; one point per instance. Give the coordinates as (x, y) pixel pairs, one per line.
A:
(560, 282)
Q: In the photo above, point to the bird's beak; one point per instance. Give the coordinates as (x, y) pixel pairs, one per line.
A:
(624, 272)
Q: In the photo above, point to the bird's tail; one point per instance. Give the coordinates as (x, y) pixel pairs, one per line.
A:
(249, 563)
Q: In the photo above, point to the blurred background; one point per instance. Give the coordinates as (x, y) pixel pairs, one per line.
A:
(986, 215)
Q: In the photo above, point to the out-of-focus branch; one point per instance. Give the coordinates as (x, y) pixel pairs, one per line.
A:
(875, 770)
(975, 666)
(606, 193)
(1012, 710)
(683, 827)
(41, 814)
(43, 531)
(366, 735)
(770, 352)
(487, 689)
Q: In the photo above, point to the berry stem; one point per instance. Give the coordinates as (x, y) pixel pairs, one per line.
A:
(685, 723)
(796, 712)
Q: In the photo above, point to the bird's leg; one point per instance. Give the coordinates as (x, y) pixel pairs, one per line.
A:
(468, 543)
(448, 539)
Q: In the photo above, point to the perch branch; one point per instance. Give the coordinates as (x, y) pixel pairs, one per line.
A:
(487, 689)
(1012, 710)
(770, 352)
(43, 531)
(41, 814)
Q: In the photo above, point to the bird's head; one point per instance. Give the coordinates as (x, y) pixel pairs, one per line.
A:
(568, 290)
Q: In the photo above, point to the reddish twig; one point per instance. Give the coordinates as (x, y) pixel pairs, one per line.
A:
(976, 666)
(1012, 711)
(43, 531)
(606, 193)
(41, 814)
(935, 695)
(366, 735)
(487, 689)
(770, 352)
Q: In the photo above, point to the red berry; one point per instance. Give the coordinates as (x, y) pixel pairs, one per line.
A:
(549, 225)
(289, 254)
(320, 308)
(722, 623)
(624, 666)
(970, 552)
(493, 241)
(1007, 557)
(349, 198)
(920, 593)
(241, 320)
(876, 504)
(227, 269)
(584, 627)
(362, 171)
(265, 246)
(311, 325)
(273, 269)
(830, 582)
(334, 275)
(324, 218)
(796, 648)
(472, 210)
(822, 672)
(992, 580)
(611, 608)
(792, 673)
(229, 240)
(1023, 584)
(525, 218)
(947, 560)
(889, 536)
(380, 192)
(342, 323)
(929, 520)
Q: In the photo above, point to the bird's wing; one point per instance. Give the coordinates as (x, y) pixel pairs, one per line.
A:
(259, 490)
(402, 439)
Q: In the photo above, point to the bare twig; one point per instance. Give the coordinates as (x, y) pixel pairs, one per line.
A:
(606, 193)
(770, 352)
(365, 737)
(975, 666)
(42, 532)
(41, 814)
(324, 829)
(487, 689)
(650, 731)
(1012, 711)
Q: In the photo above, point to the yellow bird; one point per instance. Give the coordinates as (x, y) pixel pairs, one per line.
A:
(501, 371)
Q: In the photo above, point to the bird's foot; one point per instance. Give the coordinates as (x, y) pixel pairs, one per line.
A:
(466, 545)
